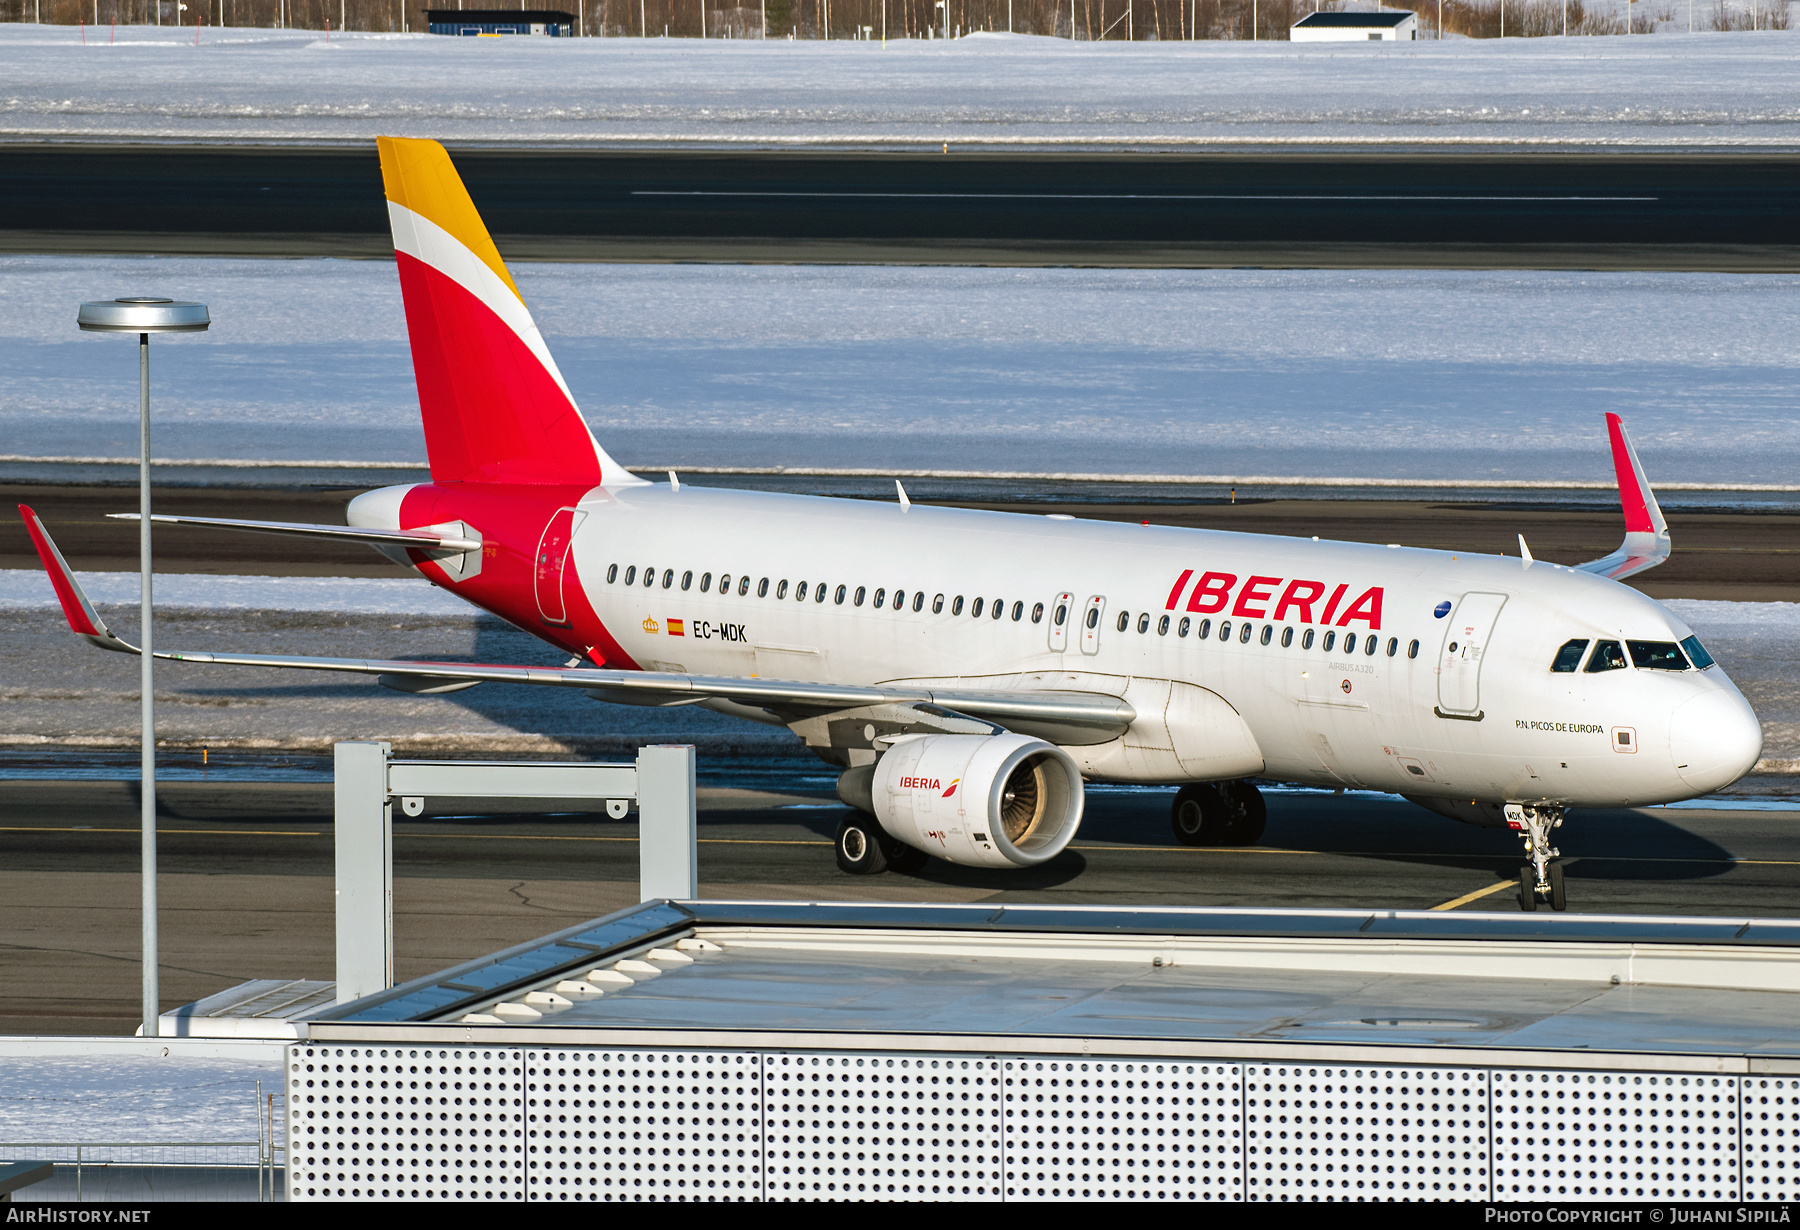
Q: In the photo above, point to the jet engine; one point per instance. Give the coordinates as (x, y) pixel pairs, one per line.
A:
(1001, 800)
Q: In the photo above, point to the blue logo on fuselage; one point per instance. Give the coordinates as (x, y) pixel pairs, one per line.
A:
(1442, 609)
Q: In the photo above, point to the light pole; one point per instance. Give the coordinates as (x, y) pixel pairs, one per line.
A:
(144, 315)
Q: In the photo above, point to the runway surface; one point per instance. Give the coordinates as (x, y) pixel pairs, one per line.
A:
(1739, 554)
(1568, 210)
(247, 890)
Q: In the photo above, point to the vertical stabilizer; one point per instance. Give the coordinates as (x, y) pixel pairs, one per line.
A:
(495, 407)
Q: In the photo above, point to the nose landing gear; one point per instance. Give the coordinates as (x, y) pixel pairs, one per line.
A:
(1542, 878)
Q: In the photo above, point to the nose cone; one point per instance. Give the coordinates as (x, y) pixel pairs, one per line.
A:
(1715, 740)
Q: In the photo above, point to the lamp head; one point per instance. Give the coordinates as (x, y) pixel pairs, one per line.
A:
(143, 314)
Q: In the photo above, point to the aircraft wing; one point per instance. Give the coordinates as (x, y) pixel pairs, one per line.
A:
(1646, 541)
(1096, 716)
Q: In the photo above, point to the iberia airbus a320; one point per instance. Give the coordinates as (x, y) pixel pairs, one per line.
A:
(969, 671)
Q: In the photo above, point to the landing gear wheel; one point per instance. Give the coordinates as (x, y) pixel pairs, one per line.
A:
(1528, 900)
(903, 858)
(861, 850)
(1249, 815)
(1198, 815)
(1559, 900)
(1218, 814)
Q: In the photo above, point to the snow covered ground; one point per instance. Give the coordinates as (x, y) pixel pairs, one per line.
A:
(106, 1098)
(1430, 374)
(1664, 90)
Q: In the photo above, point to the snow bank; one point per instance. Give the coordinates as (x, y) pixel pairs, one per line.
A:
(1665, 90)
(1390, 374)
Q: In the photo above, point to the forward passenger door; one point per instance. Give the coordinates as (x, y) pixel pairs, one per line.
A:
(1467, 635)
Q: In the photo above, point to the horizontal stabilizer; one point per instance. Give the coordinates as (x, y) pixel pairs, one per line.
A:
(1646, 542)
(422, 540)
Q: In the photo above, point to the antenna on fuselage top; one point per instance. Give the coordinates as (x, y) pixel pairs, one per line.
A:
(905, 504)
(1525, 552)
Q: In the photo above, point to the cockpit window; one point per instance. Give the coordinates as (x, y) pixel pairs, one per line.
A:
(1698, 656)
(1656, 655)
(1569, 657)
(1608, 656)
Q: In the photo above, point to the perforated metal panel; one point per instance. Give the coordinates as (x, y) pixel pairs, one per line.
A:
(1771, 1161)
(1345, 1133)
(414, 1123)
(1615, 1136)
(644, 1124)
(863, 1126)
(1094, 1129)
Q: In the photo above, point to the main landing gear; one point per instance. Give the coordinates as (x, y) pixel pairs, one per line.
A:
(1218, 814)
(865, 849)
(1542, 878)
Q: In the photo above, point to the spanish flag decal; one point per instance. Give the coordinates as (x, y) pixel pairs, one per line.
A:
(676, 628)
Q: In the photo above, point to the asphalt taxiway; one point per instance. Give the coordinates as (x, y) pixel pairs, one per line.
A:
(1727, 211)
(247, 889)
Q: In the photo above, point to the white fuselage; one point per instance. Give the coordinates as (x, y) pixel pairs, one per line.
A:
(1487, 720)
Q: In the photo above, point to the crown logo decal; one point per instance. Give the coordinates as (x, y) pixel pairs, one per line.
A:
(650, 625)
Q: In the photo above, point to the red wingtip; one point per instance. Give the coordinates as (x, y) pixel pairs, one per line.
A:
(1631, 490)
(74, 609)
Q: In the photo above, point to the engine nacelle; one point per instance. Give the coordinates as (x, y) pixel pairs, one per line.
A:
(979, 800)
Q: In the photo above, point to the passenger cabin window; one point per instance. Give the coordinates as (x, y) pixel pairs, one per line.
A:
(819, 593)
(861, 591)
(687, 580)
(919, 600)
(781, 590)
(1568, 658)
(649, 577)
(1608, 656)
(1018, 611)
(956, 605)
(1143, 623)
(1204, 630)
(1037, 613)
(1244, 633)
(1306, 639)
(800, 592)
(975, 608)
(762, 588)
(999, 607)
(669, 578)
(1268, 633)
(612, 573)
(1062, 613)
(1287, 637)
(1093, 617)
(1412, 649)
(1182, 628)
(937, 605)
(1656, 655)
(1224, 629)
(1123, 621)
(1162, 626)
(1330, 640)
(1698, 656)
(743, 586)
(841, 591)
(631, 575)
(880, 597)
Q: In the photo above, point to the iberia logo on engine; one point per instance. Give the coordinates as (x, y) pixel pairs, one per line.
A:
(930, 783)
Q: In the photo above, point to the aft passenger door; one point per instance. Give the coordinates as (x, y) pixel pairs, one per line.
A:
(1466, 640)
(552, 561)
